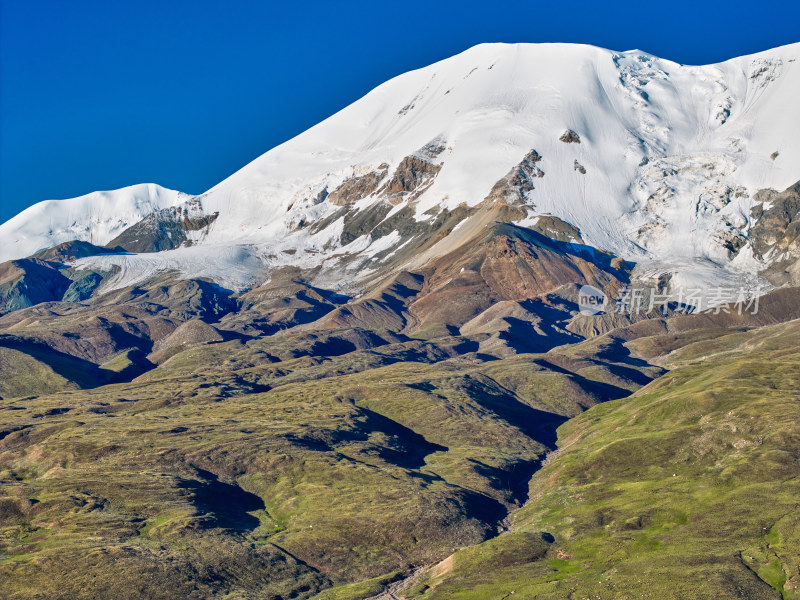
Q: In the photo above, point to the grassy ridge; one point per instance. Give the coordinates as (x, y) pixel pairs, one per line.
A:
(224, 474)
(24, 375)
(688, 489)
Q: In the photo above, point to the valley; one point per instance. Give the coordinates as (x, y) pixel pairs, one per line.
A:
(362, 367)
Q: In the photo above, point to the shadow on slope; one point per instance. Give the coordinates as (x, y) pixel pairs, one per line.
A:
(228, 505)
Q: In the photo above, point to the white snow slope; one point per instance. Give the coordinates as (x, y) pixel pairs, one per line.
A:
(98, 218)
(673, 155)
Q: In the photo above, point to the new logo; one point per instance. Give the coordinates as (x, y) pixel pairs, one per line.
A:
(591, 301)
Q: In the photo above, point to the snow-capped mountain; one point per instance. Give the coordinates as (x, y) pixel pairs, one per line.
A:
(656, 162)
(96, 218)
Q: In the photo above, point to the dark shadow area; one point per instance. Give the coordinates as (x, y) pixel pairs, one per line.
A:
(407, 350)
(487, 510)
(616, 351)
(423, 386)
(326, 345)
(332, 347)
(84, 373)
(309, 443)
(6, 432)
(630, 374)
(407, 284)
(412, 449)
(466, 345)
(601, 391)
(138, 365)
(228, 504)
(536, 424)
(524, 338)
(514, 480)
(328, 295)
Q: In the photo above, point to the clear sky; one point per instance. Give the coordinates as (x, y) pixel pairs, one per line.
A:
(103, 94)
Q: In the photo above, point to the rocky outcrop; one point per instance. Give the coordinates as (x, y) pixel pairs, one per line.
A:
(357, 187)
(518, 182)
(557, 229)
(776, 233)
(579, 167)
(362, 222)
(731, 241)
(415, 173)
(410, 179)
(570, 137)
(84, 284)
(413, 176)
(165, 229)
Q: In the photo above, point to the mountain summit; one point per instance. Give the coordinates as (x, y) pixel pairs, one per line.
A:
(656, 162)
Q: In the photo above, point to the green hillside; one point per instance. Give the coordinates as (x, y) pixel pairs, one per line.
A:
(690, 488)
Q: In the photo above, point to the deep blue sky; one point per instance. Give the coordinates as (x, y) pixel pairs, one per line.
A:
(103, 94)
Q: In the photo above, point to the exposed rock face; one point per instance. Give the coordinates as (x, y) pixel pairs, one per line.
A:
(513, 187)
(412, 177)
(579, 167)
(776, 234)
(84, 284)
(557, 229)
(732, 242)
(30, 281)
(165, 229)
(509, 263)
(777, 227)
(360, 223)
(413, 174)
(374, 221)
(570, 137)
(355, 188)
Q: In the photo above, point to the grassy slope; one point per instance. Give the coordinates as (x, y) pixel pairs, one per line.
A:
(688, 489)
(359, 467)
(223, 474)
(23, 375)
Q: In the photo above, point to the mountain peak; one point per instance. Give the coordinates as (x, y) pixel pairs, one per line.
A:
(666, 172)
